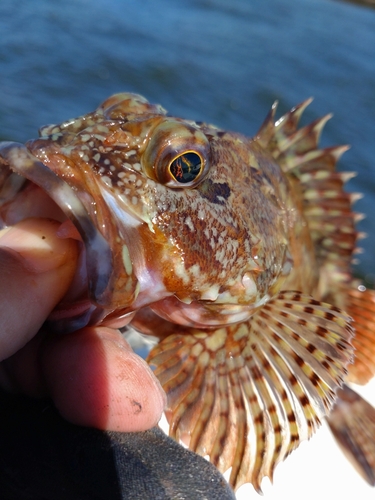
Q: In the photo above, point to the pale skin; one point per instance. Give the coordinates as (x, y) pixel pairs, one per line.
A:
(92, 375)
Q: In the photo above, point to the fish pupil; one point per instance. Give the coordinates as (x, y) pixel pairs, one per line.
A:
(186, 167)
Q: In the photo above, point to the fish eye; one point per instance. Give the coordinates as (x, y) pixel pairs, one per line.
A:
(177, 154)
(186, 167)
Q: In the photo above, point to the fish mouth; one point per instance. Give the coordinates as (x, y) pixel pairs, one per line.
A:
(103, 272)
(23, 163)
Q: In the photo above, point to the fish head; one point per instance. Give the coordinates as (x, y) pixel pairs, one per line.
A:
(179, 215)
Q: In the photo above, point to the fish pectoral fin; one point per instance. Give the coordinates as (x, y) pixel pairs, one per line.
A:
(352, 422)
(361, 306)
(247, 394)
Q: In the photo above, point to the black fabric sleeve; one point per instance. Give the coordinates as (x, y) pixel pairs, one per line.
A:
(43, 457)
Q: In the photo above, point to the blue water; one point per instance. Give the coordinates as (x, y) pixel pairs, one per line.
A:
(214, 60)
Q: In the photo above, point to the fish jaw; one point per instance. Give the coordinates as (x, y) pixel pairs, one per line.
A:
(110, 233)
(101, 259)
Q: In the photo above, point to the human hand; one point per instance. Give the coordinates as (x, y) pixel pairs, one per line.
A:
(92, 375)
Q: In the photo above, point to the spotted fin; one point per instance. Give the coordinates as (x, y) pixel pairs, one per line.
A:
(247, 394)
(326, 206)
(352, 422)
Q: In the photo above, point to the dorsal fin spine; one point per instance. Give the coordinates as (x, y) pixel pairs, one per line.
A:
(326, 206)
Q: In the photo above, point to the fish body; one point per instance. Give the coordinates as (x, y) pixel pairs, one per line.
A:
(234, 251)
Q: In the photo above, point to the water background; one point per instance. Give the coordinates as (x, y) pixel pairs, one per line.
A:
(221, 61)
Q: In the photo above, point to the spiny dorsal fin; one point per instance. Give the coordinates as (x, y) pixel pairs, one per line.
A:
(247, 394)
(326, 206)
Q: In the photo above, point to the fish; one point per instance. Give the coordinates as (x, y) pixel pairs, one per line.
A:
(235, 252)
